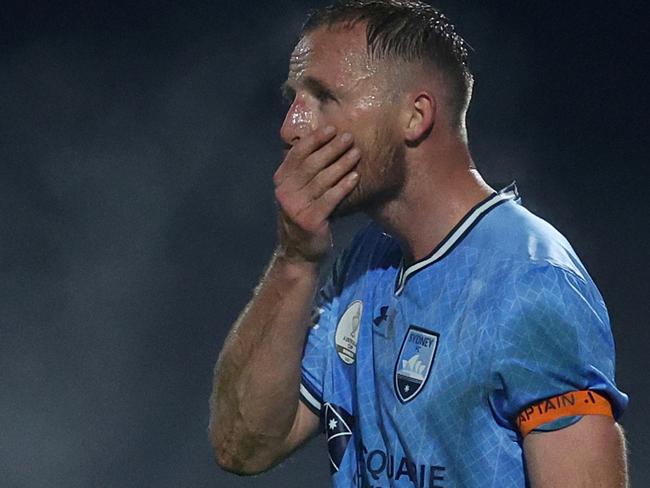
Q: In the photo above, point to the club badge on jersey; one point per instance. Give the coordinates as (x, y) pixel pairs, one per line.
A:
(414, 362)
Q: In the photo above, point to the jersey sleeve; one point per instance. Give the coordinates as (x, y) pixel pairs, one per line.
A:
(554, 352)
(316, 355)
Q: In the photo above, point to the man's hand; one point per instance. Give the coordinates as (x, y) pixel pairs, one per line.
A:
(316, 174)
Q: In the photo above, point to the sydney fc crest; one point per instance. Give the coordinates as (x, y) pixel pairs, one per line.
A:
(414, 362)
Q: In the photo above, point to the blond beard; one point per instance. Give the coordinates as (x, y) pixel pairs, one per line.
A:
(375, 190)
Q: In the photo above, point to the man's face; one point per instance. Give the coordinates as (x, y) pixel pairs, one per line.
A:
(332, 82)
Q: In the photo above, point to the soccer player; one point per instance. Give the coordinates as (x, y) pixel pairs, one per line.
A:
(459, 341)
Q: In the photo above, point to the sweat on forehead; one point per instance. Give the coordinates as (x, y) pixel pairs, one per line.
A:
(336, 50)
(328, 41)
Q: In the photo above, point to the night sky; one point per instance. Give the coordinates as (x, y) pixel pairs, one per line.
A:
(137, 144)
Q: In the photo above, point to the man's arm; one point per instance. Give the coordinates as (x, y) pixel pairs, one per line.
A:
(589, 453)
(256, 418)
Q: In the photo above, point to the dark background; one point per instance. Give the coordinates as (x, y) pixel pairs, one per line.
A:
(137, 143)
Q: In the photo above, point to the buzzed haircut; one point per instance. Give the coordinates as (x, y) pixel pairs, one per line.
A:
(410, 31)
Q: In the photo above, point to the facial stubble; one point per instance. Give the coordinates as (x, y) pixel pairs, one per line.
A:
(382, 172)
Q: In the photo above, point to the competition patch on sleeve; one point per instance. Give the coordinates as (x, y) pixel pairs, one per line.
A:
(583, 402)
(346, 332)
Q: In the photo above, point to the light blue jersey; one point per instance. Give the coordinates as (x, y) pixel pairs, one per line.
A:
(419, 374)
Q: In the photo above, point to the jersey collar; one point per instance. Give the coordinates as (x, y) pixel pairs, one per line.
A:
(461, 229)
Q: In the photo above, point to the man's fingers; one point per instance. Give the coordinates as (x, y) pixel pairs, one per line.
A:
(316, 174)
(326, 155)
(329, 176)
(313, 141)
(301, 150)
(325, 205)
(298, 201)
(303, 173)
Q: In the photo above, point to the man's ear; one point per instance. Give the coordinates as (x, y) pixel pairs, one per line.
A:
(420, 118)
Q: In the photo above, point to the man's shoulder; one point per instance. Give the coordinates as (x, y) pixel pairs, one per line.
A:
(533, 262)
(527, 241)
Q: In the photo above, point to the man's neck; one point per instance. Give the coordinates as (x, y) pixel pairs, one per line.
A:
(435, 197)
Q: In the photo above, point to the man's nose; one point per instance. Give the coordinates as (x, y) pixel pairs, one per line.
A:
(299, 121)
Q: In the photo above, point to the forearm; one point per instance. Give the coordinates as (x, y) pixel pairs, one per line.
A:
(256, 418)
(257, 376)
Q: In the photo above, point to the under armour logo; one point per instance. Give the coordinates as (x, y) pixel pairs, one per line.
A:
(383, 315)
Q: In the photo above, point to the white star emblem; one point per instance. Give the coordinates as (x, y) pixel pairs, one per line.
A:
(333, 424)
(407, 388)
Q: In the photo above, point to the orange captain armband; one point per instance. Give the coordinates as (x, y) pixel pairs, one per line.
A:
(570, 404)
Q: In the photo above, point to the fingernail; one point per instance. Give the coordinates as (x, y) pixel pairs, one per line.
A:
(329, 130)
(354, 175)
(354, 153)
(347, 137)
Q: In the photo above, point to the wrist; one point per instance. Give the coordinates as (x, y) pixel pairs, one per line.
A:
(296, 265)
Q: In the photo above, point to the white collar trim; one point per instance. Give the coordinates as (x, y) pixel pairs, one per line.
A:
(462, 228)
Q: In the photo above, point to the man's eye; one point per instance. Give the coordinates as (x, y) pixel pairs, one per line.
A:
(288, 95)
(324, 97)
